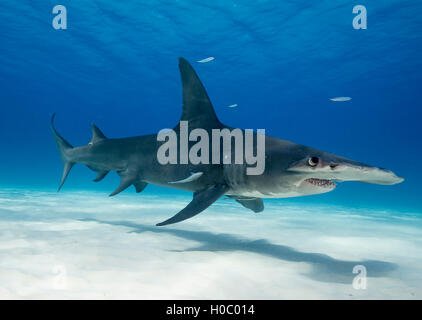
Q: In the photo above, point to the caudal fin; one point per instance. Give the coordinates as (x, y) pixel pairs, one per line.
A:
(64, 148)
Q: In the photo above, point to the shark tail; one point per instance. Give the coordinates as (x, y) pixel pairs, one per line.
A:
(64, 149)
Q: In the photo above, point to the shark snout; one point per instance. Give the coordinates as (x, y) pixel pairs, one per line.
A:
(379, 176)
(364, 173)
(338, 169)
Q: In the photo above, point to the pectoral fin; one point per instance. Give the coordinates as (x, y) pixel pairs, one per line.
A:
(201, 200)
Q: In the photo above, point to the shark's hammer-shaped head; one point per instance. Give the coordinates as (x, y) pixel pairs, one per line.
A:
(305, 171)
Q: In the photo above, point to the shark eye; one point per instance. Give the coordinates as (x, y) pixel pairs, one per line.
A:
(313, 161)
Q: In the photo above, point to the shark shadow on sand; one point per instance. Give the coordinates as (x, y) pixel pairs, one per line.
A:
(324, 267)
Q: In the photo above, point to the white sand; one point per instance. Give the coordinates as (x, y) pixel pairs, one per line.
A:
(76, 245)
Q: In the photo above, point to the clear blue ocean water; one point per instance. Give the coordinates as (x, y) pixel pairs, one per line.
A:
(280, 61)
(116, 65)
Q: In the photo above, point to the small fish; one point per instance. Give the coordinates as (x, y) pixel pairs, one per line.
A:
(232, 106)
(192, 177)
(341, 99)
(206, 60)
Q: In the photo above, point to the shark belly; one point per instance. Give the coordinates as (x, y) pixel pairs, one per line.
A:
(244, 185)
(251, 186)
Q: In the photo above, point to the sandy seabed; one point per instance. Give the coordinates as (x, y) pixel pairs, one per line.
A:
(80, 245)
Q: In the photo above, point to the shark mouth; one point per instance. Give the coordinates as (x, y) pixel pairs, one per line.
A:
(323, 183)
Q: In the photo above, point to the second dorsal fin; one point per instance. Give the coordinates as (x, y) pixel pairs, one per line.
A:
(97, 135)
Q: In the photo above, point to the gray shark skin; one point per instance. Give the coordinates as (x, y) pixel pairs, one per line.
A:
(291, 169)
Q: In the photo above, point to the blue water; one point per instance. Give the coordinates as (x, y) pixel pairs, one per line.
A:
(116, 66)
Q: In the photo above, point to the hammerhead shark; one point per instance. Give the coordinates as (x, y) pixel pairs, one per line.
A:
(291, 169)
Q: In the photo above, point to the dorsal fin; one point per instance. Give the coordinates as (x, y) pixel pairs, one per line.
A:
(197, 107)
(96, 134)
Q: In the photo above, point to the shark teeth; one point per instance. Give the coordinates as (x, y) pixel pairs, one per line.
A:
(321, 182)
